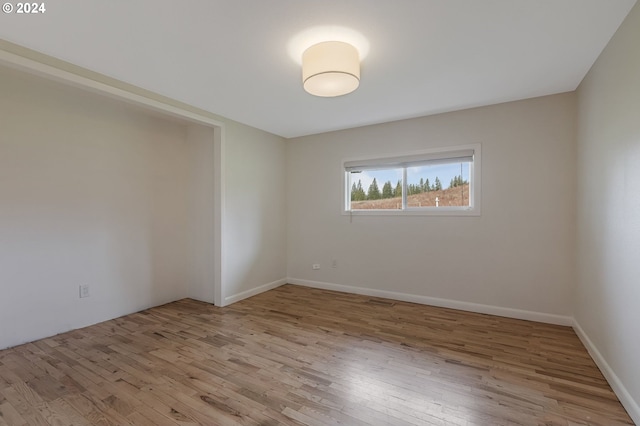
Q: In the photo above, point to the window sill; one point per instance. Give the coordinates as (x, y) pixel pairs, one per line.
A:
(435, 211)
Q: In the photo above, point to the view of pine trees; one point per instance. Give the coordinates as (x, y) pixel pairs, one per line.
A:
(390, 191)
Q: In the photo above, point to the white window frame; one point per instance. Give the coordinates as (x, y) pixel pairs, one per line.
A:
(410, 159)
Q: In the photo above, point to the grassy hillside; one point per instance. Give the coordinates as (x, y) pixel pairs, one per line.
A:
(458, 196)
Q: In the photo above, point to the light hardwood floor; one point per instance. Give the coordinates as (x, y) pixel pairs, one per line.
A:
(296, 355)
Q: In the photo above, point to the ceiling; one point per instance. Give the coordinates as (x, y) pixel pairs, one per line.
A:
(232, 57)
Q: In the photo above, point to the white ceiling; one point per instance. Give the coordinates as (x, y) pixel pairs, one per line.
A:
(230, 57)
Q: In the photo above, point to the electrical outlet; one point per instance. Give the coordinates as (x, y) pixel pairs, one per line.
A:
(84, 291)
(315, 266)
(334, 263)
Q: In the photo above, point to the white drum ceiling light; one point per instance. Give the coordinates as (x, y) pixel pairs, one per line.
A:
(330, 68)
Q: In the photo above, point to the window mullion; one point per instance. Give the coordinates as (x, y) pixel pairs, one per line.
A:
(404, 188)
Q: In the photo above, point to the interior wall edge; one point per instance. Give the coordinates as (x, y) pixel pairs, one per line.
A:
(228, 300)
(627, 401)
(442, 303)
(39, 64)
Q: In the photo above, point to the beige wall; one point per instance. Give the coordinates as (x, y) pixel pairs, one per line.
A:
(203, 212)
(254, 252)
(608, 285)
(91, 192)
(515, 259)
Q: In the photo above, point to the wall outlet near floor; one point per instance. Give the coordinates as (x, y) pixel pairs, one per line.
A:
(84, 291)
(315, 266)
(334, 263)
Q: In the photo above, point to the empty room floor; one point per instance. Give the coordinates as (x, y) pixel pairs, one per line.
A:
(296, 355)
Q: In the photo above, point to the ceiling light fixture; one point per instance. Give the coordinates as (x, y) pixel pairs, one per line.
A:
(330, 68)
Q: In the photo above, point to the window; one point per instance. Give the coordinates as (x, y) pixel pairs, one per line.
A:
(434, 182)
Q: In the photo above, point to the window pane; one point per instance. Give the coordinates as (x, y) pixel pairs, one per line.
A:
(376, 189)
(438, 185)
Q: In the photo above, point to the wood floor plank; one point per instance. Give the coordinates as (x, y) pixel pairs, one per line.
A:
(10, 416)
(296, 356)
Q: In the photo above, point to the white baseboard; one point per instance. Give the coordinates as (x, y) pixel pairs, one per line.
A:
(252, 292)
(618, 387)
(444, 303)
